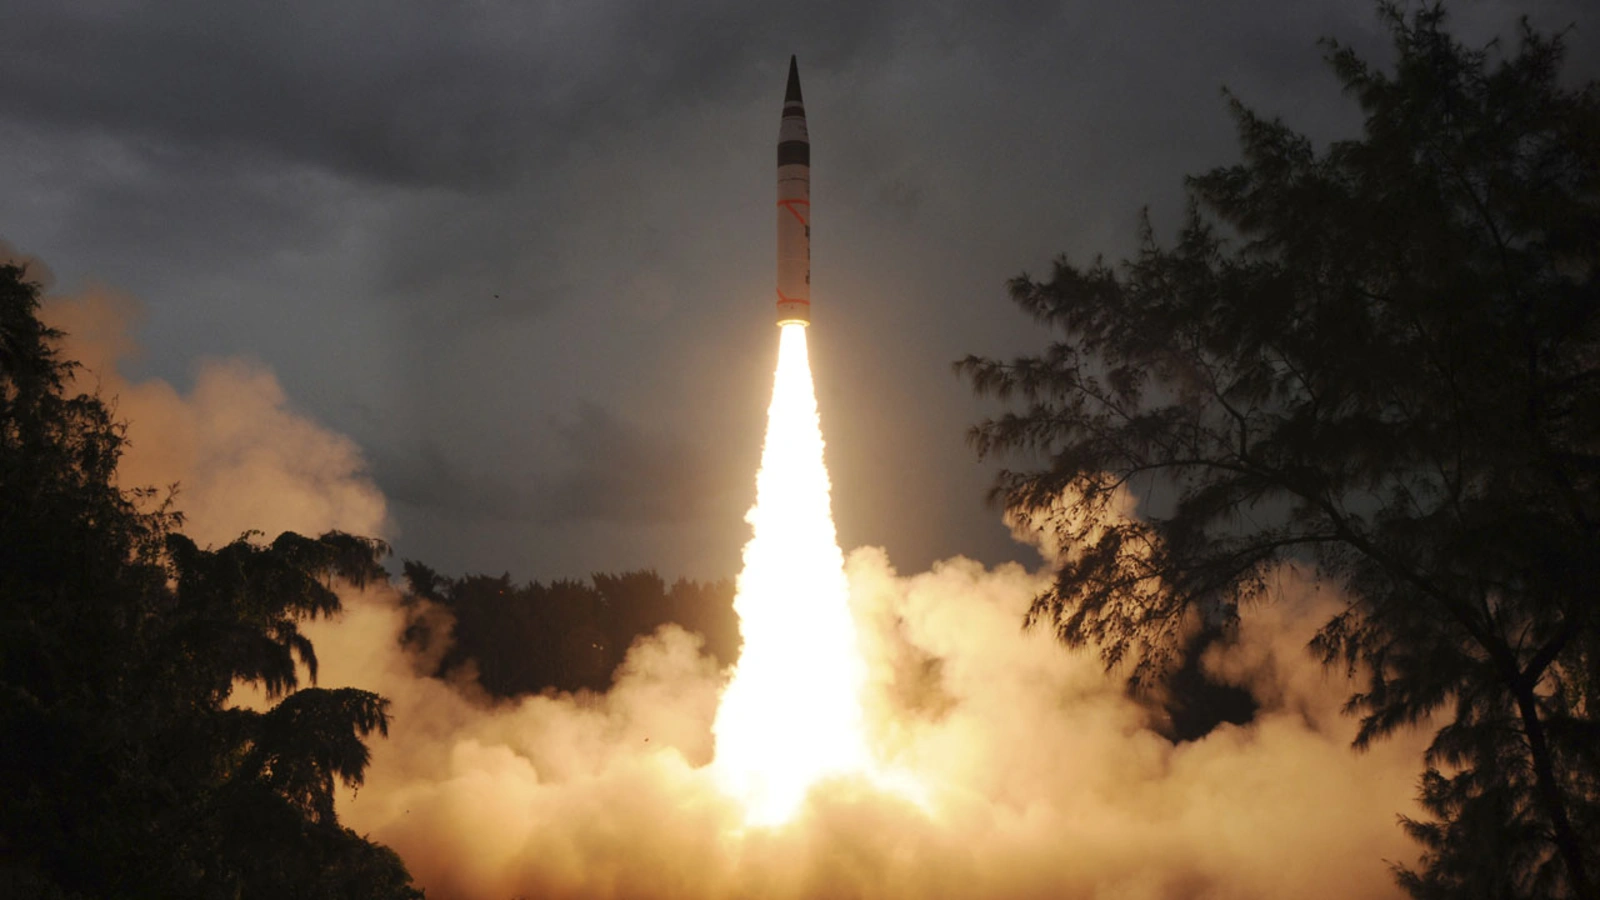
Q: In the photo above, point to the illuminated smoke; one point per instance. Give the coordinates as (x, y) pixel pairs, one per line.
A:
(792, 713)
(1049, 781)
(243, 457)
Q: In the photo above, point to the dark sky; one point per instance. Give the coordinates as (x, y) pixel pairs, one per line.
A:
(523, 252)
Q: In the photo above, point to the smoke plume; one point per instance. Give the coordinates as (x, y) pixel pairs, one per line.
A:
(241, 456)
(1041, 777)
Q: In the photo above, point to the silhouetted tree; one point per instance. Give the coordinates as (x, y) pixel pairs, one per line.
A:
(706, 608)
(636, 603)
(579, 634)
(123, 771)
(566, 636)
(1380, 358)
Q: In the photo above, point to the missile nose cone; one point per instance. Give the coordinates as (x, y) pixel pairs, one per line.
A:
(791, 94)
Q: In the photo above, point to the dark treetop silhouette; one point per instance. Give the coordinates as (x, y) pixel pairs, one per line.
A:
(1379, 359)
(565, 636)
(123, 771)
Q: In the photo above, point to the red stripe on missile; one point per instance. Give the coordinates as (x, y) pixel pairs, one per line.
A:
(790, 206)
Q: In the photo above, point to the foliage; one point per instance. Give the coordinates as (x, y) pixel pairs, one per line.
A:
(124, 770)
(567, 635)
(1379, 358)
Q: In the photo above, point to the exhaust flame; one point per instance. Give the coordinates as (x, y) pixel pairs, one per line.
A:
(792, 714)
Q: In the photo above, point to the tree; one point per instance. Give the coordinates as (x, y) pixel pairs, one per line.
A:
(123, 770)
(1381, 359)
(568, 635)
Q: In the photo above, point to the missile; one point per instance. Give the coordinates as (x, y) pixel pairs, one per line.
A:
(794, 207)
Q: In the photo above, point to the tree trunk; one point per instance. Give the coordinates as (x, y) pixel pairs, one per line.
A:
(1549, 794)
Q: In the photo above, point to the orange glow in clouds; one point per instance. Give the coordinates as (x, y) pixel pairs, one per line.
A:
(792, 714)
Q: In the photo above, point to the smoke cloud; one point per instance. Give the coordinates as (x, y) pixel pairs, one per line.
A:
(1039, 776)
(240, 454)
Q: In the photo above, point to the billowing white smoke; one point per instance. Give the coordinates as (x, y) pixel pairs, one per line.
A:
(242, 456)
(1044, 780)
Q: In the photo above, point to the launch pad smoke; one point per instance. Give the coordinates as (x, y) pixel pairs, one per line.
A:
(1050, 781)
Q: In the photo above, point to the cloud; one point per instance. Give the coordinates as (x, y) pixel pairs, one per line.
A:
(601, 469)
(623, 473)
(450, 95)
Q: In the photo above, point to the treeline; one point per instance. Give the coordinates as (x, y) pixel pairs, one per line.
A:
(567, 635)
(124, 771)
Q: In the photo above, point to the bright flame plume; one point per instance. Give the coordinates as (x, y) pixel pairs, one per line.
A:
(792, 714)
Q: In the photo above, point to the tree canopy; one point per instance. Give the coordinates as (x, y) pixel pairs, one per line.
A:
(1381, 358)
(564, 636)
(124, 769)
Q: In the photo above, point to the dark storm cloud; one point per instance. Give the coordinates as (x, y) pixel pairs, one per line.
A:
(613, 472)
(456, 94)
(200, 103)
(310, 84)
(623, 474)
(466, 111)
(521, 252)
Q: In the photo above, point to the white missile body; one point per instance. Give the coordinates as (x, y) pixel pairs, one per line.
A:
(794, 207)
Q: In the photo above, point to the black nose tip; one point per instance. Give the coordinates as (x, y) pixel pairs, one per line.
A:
(792, 93)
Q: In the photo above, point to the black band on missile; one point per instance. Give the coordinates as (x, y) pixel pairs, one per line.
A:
(794, 153)
(794, 112)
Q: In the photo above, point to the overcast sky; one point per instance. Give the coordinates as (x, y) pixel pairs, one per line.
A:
(522, 253)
